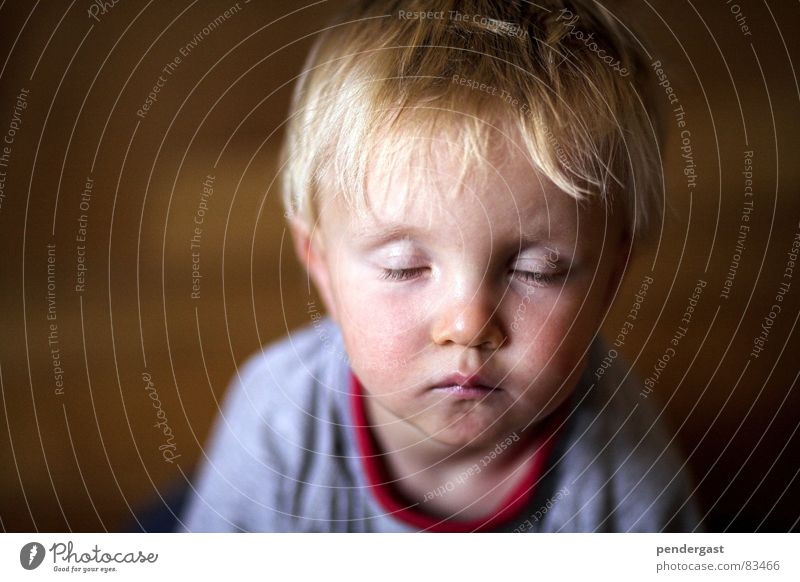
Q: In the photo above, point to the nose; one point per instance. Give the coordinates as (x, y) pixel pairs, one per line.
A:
(473, 322)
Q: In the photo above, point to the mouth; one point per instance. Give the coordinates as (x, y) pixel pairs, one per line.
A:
(464, 387)
(466, 392)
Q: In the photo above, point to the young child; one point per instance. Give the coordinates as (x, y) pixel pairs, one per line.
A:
(465, 182)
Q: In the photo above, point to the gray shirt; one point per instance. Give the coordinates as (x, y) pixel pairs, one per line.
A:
(282, 456)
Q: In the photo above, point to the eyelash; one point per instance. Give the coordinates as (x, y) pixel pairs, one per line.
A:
(401, 274)
(526, 276)
(537, 278)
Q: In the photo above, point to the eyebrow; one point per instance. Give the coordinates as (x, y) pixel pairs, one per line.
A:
(371, 238)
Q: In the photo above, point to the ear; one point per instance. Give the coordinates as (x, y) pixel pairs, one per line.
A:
(311, 252)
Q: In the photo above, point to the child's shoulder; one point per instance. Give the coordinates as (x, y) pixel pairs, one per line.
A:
(309, 346)
(265, 428)
(622, 445)
(289, 374)
(278, 394)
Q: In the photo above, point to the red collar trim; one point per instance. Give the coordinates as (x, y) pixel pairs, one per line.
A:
(379, 480)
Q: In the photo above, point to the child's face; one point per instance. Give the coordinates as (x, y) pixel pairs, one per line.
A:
(507, 281)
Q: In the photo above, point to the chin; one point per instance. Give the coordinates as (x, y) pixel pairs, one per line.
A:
(468, 433)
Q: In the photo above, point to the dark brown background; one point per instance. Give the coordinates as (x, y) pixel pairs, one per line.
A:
(89, 459)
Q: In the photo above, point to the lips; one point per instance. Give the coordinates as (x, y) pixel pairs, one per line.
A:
(465, 387)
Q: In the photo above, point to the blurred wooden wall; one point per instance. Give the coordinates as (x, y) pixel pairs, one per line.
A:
(87, 456)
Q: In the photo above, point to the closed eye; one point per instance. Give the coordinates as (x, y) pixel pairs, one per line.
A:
(537, 278)
(529, 277)
(402, 274)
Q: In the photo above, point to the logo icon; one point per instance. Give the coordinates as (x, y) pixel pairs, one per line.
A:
(31, 555)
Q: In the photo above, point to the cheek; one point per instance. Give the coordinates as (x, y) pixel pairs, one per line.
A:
(553, 334)
(545, 315)
(383, 332)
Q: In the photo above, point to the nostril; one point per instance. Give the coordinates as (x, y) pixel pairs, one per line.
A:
(469, 319)
(486, 334)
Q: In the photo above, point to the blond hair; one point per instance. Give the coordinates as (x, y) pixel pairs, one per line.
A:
(566, 75)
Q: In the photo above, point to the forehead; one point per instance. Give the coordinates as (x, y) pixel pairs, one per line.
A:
(437, 183)
(441, 182)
